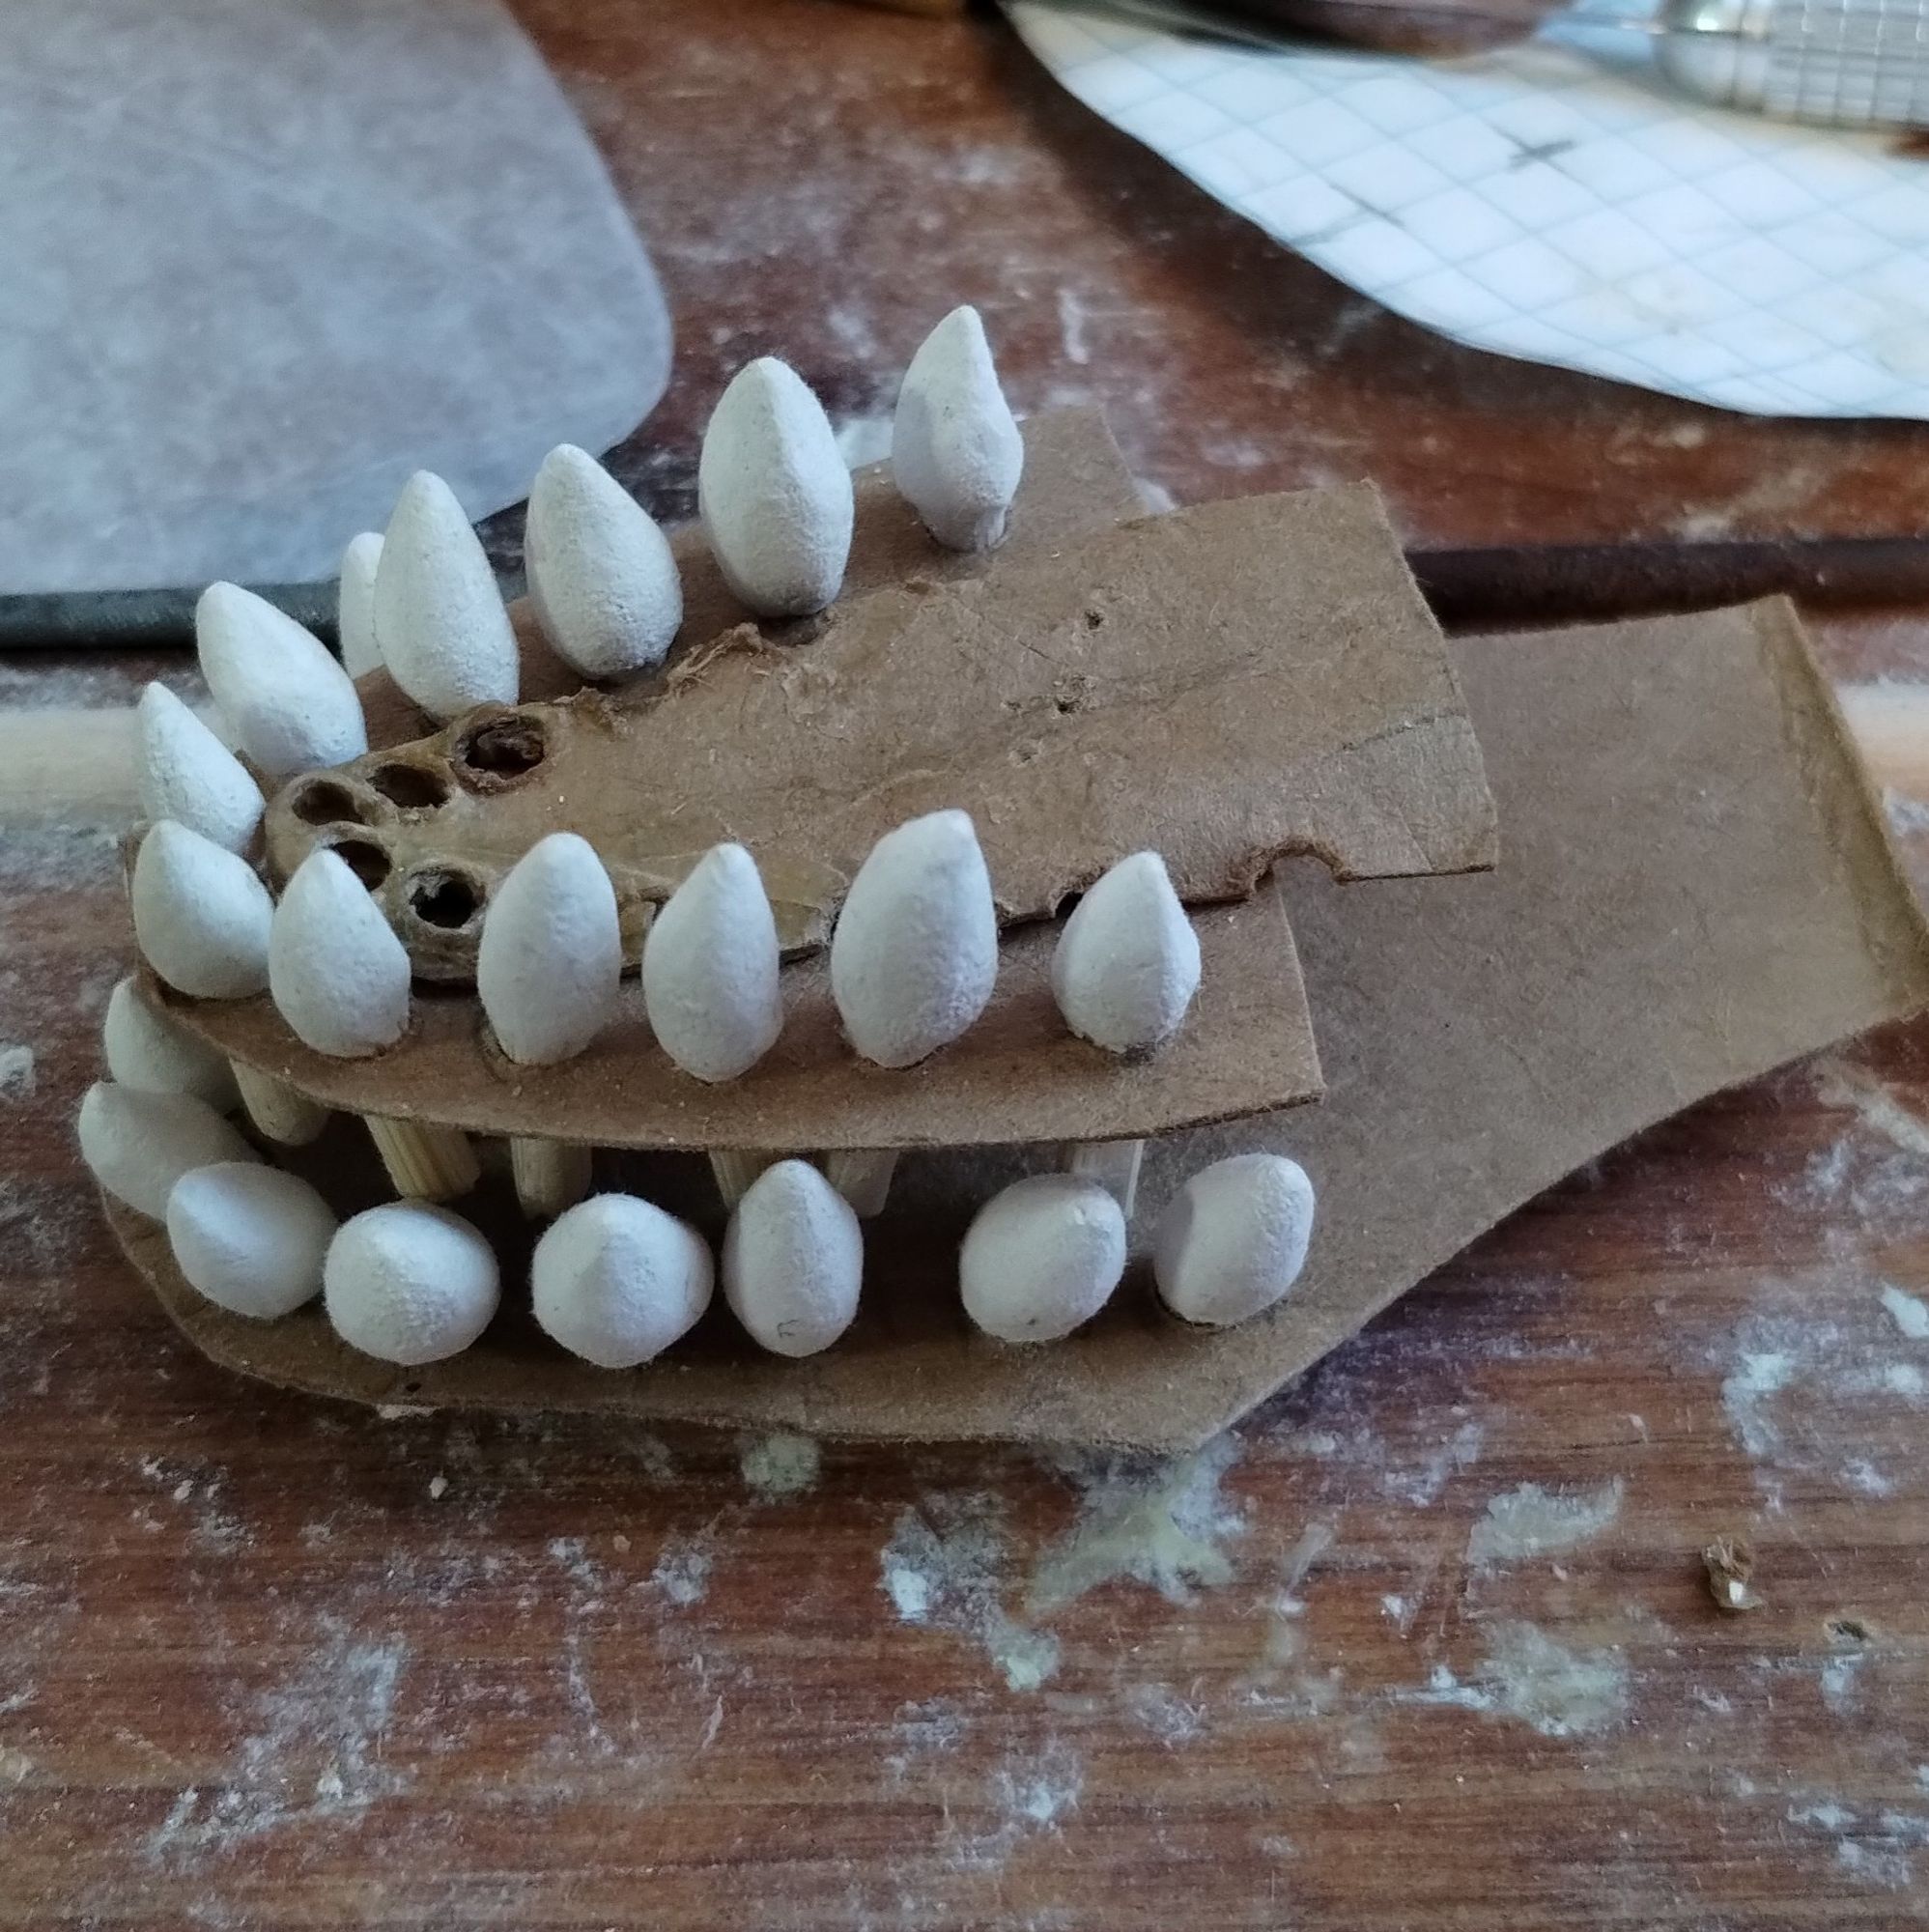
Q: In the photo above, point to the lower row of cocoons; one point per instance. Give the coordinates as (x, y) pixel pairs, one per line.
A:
(617, 1281)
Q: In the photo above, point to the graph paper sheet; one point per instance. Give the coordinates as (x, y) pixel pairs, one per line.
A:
(1552, 201)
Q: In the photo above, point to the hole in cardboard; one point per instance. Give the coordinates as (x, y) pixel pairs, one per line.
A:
(500, 750)
(364, 858)
(444, 899)
(413, 787)
(324, 802)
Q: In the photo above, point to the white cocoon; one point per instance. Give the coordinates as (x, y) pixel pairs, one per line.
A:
(339, 977)
(915, 953)
(409, 1283)
(1128, 962)
(550, 955)
(956, 452)
(617, 1281)
(201, 916)
(139, 1144)
(439, 622)
(775, 493)
(289, 705)
(793, 1260)
(602, 578)
(147, 1050)
(1041, 1258)
(190, 776)
(1233, 1238)
(250, 1238)
(711, 968)
(354, 605)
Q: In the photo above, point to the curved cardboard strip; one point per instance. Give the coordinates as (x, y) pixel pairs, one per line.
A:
(1018, 1075)
(1698, 888)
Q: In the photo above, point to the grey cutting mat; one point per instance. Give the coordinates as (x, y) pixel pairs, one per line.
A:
(265, 257)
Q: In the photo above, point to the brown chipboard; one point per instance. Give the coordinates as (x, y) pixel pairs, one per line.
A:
(1697, 887)
(1225, 685)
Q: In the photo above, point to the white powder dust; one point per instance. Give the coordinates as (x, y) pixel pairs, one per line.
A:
(16, 1071)
(1559, 1691)
(683, 1571)
(1532, 1521)
(779, 1466)
(1909, 1314)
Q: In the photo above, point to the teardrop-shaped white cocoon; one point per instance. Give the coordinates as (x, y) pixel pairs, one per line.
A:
(1041, 1258)
(602, 577)
(775, 493)
(793, 1260)
(915, 953)
(354, 605)
(250, 1238)
(288, 704)
(409, 1283)
(201, 916)
(1233, 1238)
(956, 452)
(139, 1144)
(439, 621)
(339, 977)
(1128, 962)
(149, 1052)
(616, 1280)
(711, 968)
(551, 952)
(190, 776)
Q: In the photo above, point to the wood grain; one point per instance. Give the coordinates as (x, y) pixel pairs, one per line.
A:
(267, 1665)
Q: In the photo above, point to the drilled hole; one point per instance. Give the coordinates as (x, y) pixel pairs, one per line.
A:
(413, 787)
(327, 802)
(1094, 618)
(502, 751)
(442, 898)
(364, 858)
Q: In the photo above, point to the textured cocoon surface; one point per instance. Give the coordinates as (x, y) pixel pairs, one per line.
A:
(288, 704)
(249, 1237)
(439, 620)
(601, 579)
(915, 953)
(1128, 962)
(190, 776)
(956, 452)
(201, 916)
(145, 1050)
(616, 1280)
(339, 976)
(552, 951)
(711, 968)
(409, 1283)
(1233, 1238)
(354, 604)
(793, 1260)
(775, 493)
(1042, 1257)
(139, 1144)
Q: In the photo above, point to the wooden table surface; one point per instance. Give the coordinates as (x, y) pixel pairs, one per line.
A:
(1424, 1643)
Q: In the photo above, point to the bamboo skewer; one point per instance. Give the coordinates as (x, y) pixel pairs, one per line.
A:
(737, 1168)
(426, 1162)
(863, 1177)
(551, 1176)
(1113, 1164)
(278, 1110)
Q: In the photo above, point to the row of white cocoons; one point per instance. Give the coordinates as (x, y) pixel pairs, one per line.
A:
(616, 1280)
(914, 955)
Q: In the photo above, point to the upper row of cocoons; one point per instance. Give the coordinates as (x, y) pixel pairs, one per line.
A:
(712, 968)
(338, 975)
(187, 774)
(138, 1144)
(1126, 965)
(956, 454)
(201, 916)
(354, 605)
(148, 1051)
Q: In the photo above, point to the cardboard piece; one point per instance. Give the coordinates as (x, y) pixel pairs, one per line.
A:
(1225, 685)
(1018, 1075)
(1698, 888)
